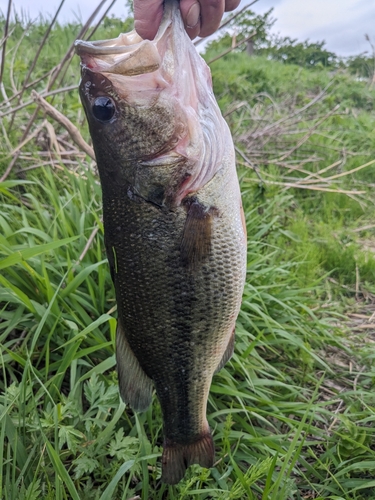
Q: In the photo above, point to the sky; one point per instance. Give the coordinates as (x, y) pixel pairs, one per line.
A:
(341, 23)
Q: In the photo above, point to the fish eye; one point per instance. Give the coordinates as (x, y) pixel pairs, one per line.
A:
(103, 109)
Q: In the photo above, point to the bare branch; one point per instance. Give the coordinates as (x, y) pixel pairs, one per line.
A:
(228, 20)
(312, 188)
(36, 57)
(249, 163)
(65, 122)
(3, 52)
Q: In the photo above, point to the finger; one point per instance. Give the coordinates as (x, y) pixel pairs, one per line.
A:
(211, 13)
(190, 12)
(193, 32)
(231, 5)
(147, 17)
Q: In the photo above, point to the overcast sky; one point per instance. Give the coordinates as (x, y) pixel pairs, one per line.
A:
(341, 23)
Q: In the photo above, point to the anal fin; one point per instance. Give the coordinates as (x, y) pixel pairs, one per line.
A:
(176, 457)
(227, 354)
(135, 386)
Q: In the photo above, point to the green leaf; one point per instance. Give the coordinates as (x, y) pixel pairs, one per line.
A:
(108, 492)
(60, 469)
(70, 436)
(82, 276)
(20, 453)
(27, 253)
(84, 465)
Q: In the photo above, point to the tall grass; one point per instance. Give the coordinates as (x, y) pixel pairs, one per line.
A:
(65, 433)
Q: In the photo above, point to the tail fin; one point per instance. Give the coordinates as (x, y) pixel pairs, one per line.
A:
(177, 457)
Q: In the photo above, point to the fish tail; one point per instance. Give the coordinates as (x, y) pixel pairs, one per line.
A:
(177, 457)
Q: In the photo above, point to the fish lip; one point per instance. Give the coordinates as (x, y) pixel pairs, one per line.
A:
(103, 47)
(111, 46)
(110, 55)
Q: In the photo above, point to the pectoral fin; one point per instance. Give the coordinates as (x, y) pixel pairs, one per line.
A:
(135, 386)
(197, 235)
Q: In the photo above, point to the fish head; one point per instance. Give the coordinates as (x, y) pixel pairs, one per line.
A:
(125, 98)
(150, 102)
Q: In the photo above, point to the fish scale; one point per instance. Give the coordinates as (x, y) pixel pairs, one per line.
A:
(167, 312)
(174, 231)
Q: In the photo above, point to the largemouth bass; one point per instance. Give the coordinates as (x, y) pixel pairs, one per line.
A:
(174, 227)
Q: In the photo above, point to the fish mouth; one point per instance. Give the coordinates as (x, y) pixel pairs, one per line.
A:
(128, 54)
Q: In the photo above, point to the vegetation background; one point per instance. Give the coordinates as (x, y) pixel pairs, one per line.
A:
(293, 412)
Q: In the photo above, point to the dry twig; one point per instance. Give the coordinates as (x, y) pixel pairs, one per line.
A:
(228, 20)
(3, 49)
(36, 57)
(59, 69)
(87, 246)
(65, 122)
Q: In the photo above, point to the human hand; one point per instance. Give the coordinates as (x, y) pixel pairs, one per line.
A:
(201, 18)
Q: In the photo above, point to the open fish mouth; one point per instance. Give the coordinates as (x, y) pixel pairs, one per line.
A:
(166, 74)
(129, 54)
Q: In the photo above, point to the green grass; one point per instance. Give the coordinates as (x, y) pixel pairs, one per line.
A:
(65, 431)
(293, 412)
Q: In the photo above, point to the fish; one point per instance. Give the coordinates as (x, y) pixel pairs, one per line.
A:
(174, 228)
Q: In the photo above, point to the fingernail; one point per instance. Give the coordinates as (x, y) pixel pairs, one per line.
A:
(192, 17)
